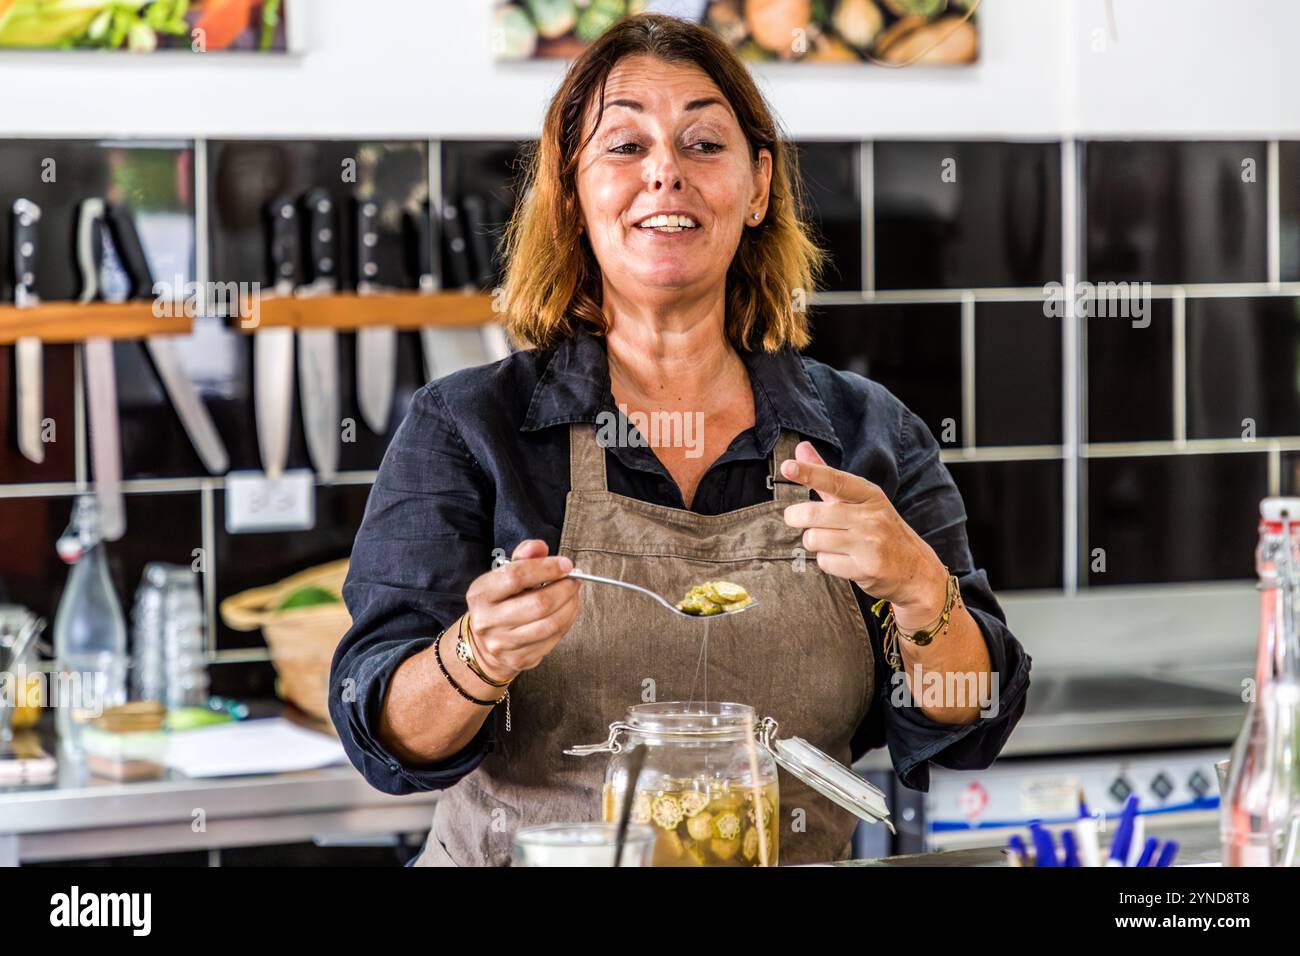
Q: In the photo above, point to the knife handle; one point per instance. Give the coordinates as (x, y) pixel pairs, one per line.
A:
(367, 243)
(286, 245)
(26, 215)
(322, 235)
(457, 248)
(422, 224)
(480, 240)
(130, 250)
(90, 246)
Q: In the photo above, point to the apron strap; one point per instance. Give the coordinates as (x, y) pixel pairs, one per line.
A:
(586, 459)
(784, 490)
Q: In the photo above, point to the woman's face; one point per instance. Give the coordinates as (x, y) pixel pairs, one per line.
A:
(668, 144)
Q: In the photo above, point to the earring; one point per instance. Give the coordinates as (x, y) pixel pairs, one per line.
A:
(756, 217)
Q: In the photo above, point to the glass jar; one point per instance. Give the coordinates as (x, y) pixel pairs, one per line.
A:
(707, 786)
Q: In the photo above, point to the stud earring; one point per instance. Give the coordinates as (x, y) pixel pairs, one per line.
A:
(755, 217)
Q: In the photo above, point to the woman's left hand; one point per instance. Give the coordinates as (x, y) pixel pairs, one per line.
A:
(856, 534)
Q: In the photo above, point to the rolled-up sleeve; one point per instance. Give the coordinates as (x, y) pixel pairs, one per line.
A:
(928, 500)
(424, 538)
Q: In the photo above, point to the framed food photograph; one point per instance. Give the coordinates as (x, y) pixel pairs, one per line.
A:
(148, 26)
(882, 32)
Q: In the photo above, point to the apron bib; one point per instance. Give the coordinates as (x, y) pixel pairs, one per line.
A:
(803, 656)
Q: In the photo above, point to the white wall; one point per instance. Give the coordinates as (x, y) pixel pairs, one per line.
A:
(422, 68)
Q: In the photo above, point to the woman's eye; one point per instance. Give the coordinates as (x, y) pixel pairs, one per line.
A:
(625, 149)
(706, 146)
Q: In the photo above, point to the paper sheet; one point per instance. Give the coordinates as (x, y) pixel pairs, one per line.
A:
(273, 745)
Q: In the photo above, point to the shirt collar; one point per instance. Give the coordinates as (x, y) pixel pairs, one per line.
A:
(575, 388)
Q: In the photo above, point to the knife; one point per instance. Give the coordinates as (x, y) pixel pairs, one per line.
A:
(98, 275)
(495, 342)
(196, 421)
(273, 347)
(480, 237)
(28, 352)
(453, 231)
(449, 349)
(376, 345)
(318, 349)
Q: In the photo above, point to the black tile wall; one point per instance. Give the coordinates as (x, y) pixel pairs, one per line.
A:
(1017, 375)
(157, 182)
(479, 186)
(161, 526)
(1243, 367)
(952, 215)
(1175, 212)
(245, 561)
(1289, 210)
(58, 371)
(1014, 520)
(913, 350)
(1290, 477)
(832, 192)
(244, 177)
(1131, 376)
(1170, 518)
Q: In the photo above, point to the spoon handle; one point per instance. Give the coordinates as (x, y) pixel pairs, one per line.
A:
(597, 579)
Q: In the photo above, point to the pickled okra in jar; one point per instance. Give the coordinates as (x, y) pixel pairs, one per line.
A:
(705, 822)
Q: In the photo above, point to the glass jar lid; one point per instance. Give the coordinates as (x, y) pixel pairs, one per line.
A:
(826, 775)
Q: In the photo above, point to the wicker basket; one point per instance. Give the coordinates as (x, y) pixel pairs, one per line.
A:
(302, 640)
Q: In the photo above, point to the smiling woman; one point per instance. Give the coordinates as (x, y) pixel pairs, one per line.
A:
(653, 267)
(660, 120)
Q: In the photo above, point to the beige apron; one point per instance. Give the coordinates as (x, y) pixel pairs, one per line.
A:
(802, 656)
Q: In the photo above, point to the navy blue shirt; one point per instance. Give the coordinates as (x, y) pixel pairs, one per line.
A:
(481, 462)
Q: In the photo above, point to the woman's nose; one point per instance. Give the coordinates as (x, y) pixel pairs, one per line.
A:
(662, 172)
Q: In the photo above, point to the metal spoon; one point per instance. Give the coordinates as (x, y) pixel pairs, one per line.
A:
(594, 579)
(669, 605)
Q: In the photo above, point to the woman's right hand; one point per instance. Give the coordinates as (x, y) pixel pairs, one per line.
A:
(516, 621)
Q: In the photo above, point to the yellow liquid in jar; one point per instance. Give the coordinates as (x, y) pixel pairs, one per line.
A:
(704, 823)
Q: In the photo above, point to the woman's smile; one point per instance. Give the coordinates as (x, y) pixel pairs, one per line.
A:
(667, 181)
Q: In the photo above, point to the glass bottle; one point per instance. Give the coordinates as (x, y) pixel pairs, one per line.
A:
(89, 630)
(1260, 823)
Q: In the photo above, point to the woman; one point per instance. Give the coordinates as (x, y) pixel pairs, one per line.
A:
(653, 268)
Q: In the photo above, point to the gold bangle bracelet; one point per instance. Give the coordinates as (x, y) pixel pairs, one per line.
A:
(468, 652)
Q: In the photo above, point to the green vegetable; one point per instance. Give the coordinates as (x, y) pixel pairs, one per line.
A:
(188, 718)
(919, 8)
(309, 596)
(515, 35)
(599, 17)
(51, 23)
(554, 18)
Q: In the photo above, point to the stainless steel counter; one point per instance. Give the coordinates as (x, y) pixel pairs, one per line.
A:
(82, 816)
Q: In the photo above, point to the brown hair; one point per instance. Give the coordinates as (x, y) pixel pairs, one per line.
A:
(553, 282)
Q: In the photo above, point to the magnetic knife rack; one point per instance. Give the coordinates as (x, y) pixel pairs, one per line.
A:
(77, 321)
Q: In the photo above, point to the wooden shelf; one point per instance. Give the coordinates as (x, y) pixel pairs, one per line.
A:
(77, 321)
(347, 310)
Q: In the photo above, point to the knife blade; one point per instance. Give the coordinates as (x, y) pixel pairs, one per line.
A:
(28, 351)
(97, 275)
(273, 347)
(376, 345)
(184, 398)
(318, 349)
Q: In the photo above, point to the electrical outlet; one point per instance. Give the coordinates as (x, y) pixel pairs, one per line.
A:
(256, 503)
